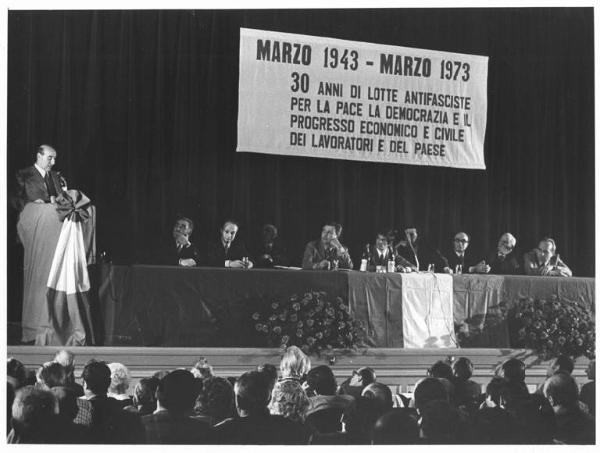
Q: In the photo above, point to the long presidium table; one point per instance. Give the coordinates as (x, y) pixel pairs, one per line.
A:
(174, 306)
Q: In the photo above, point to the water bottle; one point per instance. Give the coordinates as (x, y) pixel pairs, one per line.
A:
(366, 256)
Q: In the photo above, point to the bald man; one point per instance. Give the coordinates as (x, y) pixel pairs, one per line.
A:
(39, 183)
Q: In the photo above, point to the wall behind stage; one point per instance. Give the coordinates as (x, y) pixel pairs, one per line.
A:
(142, 108)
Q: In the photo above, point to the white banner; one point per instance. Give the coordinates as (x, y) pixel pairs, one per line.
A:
(310, 96)
(427, 311)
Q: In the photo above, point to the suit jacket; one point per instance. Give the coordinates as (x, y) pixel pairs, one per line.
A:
(425, 253)
(277, 252)
(314, 253)
(163, 427)
(169, 255)
(376, 260)
(452, 259)
(261, 429)
(509, 265)
(31, 186)
(216, 254)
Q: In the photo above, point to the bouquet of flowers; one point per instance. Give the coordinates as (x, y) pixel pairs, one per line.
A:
(553, 327)
(312, 321)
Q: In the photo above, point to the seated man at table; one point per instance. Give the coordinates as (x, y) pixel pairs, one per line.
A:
(544, 260)
(227, 251)
(270, 250)
(458, 256)
(322, 253)
(180, 251)
(382, 252)
(417, 253)
(502, 261)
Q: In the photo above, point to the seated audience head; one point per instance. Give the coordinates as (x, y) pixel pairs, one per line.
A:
(363, 377)
(289, 400)
(561, 364)
(461, 242)
(144, 392)
(294, 363)
(252, 393)
(51, 374)
(119, 378)
(440, 423)
(229, 231)
(513, 371)
(67, 402)
(67, 360)
(381, 241)
(506, 243)
(380, 393)
(202, 369)
(440, 369)
(590, 371)
(462, 369)
(216, 399)
(32, 412)
(321, 381)
(561, 390)
(396, 427)
(270, 371)
(496, 392)
(358, 420)
(96, 378)
(545, 250)
(183, 227)
(160, 374)
(429, 389)
(177, 391)
(16, 373)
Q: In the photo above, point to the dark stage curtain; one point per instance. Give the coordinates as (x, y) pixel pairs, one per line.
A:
(142, 109)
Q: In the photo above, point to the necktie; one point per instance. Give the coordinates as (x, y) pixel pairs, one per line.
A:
(49, 185)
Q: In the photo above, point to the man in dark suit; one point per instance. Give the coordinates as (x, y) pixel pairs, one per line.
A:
(458, 255)
(227, 251)
(255, 425)
(180, 252)
(417, 253)
(39, 183)
(171, 423)
(503, 260)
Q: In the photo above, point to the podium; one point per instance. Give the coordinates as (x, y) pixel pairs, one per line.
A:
(56, 305)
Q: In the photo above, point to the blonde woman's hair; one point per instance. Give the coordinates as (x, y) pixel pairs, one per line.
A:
(294, 363)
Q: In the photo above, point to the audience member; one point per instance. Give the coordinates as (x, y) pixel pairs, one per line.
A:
(466, 391)
(441, 423)
(216, 401)
(270, 250)
(359, 419)
(324, 253)
(67, 360)
(108, 422)
(428, 389)
(119, 384)
(228, 251)
(381, 393)
(67, 431)
(294, 364)
(255, 425)
(51, 374)
(171, 422)
(493, 423)
(513, 372)
(543, 260)
(33, 417)
(355, 385)
(573, 426)
(561, 364)
(326, 408)
(144, 396)
(202, 369)
(503, 260)
(270, 371)
(588, 390)
(16, 373)
(289, 400)
(396, 427)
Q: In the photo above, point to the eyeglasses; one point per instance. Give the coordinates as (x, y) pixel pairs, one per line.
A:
(462, 241)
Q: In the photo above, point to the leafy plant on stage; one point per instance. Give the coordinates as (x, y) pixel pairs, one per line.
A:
(553, 327)
(312, 321)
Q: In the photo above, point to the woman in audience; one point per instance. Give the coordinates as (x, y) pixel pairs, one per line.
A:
(294, 364)
(466, 391)
(289, 400)
(119, 384)
(215, 402)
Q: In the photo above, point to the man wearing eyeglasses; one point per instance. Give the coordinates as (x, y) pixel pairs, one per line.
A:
(459, 256)
(544, 260)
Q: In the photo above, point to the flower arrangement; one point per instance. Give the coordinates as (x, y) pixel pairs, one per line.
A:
(312, 321)
(553, 327)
